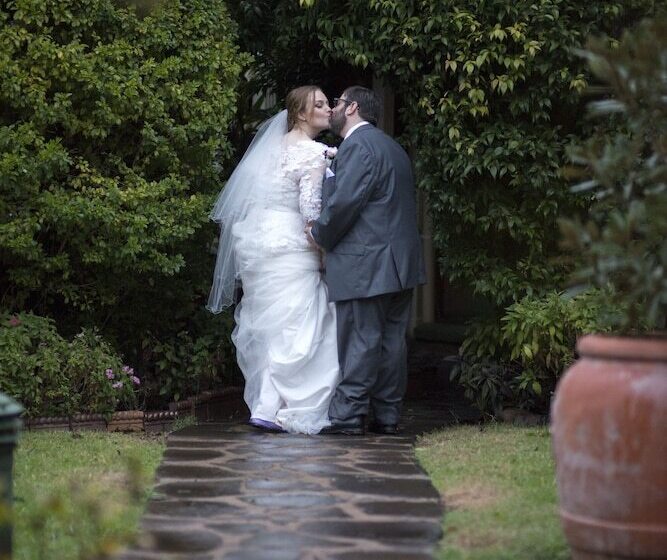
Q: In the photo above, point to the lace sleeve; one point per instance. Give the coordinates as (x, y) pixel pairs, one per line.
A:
(310, 183)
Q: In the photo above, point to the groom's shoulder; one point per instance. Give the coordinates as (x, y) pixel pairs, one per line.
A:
(373, 133)
(369, 135)
(367, 130)
(377, 140)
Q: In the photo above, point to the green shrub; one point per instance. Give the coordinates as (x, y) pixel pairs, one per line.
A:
(112, 148)
(98, 378)
(518, 360)
(32, 365)
(191, 361)
(53, 377)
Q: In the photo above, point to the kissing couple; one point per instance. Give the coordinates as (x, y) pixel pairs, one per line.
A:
(327, 252)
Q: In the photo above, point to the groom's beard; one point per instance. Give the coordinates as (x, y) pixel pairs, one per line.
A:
(337, 122)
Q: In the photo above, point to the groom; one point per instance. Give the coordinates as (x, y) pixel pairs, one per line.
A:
(368, 227)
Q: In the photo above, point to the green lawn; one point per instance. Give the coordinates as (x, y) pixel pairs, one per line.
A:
(80, 495)
(499, 492)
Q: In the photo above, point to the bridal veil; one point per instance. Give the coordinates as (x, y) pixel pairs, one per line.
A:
(246, 190)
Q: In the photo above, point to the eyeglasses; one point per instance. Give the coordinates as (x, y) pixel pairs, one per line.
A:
(337, 100)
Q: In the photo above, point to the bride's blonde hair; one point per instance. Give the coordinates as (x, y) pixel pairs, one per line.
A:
(297, 102)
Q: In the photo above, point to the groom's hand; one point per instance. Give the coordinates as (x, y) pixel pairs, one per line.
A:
(309, 236)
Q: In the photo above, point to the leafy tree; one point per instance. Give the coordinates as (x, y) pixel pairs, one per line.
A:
(112, 146)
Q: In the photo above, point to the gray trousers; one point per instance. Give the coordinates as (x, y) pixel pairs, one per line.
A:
(372, 353)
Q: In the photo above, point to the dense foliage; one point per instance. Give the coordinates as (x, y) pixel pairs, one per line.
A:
(490, 96)
(112, 145)
(113, 141)
(624, 241)
(191, 360)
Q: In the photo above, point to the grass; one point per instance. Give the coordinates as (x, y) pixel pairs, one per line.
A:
(183, 422)
(80, 495)
(499, 492)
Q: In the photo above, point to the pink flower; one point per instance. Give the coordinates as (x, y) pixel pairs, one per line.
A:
(109, 374)
(128, 370)
(14, 321)
(117, 385)
(135, 379)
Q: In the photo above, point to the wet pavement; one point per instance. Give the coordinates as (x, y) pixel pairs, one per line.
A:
(227, 491)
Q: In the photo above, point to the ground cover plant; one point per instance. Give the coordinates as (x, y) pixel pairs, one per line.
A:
(80, 495)
(498, 488)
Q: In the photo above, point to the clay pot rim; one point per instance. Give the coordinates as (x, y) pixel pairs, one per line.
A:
(649, 348)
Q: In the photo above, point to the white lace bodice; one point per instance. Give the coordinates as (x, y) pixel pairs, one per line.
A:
(294, 198)
(299, 184)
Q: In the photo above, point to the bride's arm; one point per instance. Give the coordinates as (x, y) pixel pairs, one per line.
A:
(310, 187)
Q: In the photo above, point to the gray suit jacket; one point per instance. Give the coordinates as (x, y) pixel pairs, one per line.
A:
(368, 224)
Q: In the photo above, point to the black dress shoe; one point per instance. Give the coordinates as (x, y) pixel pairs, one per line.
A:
(384, 429)
(349, 428)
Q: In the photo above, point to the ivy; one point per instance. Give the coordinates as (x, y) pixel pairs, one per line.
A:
(489, 95)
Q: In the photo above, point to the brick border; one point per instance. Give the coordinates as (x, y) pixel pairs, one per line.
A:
(208, 406)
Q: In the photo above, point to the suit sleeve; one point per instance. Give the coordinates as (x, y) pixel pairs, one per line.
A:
(354, 184)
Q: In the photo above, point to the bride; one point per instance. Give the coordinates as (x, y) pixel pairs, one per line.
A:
(285, 334)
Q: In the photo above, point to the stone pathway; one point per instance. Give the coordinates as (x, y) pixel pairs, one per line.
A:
(227, 491)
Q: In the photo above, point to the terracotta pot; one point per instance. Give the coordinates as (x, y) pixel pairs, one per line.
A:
(609, 430)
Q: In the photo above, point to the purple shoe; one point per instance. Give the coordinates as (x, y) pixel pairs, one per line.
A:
(266, 426)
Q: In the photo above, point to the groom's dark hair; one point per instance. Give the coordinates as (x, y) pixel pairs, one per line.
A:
(369, 102)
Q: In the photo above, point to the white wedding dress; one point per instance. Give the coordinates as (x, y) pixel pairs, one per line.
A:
(285, 333)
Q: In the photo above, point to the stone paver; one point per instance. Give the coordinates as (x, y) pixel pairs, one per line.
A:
(227, 491)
